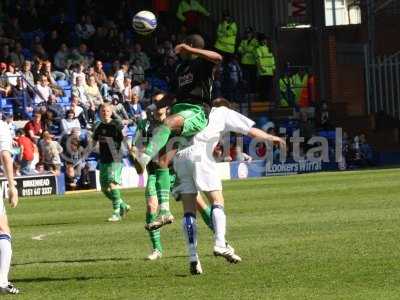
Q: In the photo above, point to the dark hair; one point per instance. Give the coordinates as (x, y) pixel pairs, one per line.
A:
(195, 40)
(69, 111)
(218, 102)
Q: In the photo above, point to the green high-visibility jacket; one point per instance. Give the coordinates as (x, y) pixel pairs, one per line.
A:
(299, 83)
(265, 60)
(246, 50)
(191, 5)
(226, 37)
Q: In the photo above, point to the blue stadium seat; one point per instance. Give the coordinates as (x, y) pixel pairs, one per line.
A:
(63, 83)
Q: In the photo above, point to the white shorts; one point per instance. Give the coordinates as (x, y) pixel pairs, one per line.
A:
(195, 173)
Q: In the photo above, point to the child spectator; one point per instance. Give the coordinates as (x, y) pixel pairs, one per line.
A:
(50, 153)
(27, 151)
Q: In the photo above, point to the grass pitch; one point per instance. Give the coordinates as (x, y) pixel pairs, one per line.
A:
(320, 236)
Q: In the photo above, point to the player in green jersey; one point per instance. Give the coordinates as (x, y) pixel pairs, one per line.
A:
(108, 133)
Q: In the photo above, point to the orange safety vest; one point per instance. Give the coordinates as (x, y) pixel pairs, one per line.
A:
(306, 92)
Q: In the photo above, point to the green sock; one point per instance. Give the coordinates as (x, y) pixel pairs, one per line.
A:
(116, 200)
(207, 218)
(163, 186)
(123, 204)
(155, 236)
(158, 140)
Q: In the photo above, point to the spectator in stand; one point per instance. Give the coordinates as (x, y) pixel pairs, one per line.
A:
(78, 111)
(134, 109)
(56, 108)
(138, 54)
(60, 58)
(119, 111)
(5, 54)
(108, 88)
(19, 93)
(50, 124)
(137, 71)
(79, 90)
(99, 74)
(85, 54)
(78, 71)
(50, 153)
(72, 154)
(27, 151)
(5, 87)
(69, 123)
(27, 73)
(120, 76)
(127, 92)
(366, 152)
(239, 155)
(93, 92)
(39, 168)
(52, 42)
(140, 91)
(85, 29)
(52, 75)
(12, 74)
(16, 169)
(34, 129)
(16, 56)
(62, 26)
(167, 72)
(232, 78)
(43, 90)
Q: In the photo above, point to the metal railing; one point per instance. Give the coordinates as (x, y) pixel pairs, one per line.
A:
(28, 87)
(382, 77)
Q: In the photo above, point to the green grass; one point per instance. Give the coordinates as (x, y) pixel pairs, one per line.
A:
(321, 236)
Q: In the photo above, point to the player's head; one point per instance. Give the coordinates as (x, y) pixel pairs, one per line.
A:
(195, 41)
(106, 112)
(161, 113)
(218, 102)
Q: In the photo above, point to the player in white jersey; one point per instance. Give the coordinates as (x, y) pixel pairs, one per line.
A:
(5, 234)
(197, 172)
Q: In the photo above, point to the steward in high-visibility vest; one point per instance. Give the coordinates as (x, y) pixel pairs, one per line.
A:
(265, 62)
(300, 86)
(248, 60)
(226, 34)
(247, 47)
(265, 59)
(189, 12)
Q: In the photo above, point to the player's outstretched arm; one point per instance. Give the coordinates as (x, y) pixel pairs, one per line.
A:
(7, 163)
(262, 135)
(205, 54)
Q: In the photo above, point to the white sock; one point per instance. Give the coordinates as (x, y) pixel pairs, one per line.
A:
(219, 223)
(5, 258)
(189, 226)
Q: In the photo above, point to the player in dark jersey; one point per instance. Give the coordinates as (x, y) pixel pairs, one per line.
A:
(192, 89)
(108, 133)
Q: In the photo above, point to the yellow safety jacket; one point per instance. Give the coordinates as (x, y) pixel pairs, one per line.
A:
(246, 50)
(265, 60)
(226, 37)
(192, 5)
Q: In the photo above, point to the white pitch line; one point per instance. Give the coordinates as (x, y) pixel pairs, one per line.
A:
(41, 237)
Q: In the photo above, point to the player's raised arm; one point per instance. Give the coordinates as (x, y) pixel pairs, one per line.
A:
(262, 135)
(7, 163)
(202, 53)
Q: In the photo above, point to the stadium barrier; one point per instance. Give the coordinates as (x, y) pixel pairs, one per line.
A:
(36, 185)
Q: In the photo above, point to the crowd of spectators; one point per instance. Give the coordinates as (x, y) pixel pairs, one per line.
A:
(72, 63)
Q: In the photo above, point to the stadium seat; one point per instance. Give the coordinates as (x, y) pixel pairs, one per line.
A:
(63, 83)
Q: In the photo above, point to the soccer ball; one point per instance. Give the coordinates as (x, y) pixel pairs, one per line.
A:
(144, 22)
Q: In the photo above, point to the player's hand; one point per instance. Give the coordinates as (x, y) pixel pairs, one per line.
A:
(182, 48)
(280, 141)
(13, 196)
